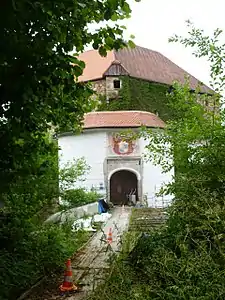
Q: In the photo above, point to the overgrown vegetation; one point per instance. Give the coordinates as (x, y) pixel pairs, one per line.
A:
(37, 254)
(71, 174)
(80, 196)
(39, 91)
(33, 247)
(185, 259)
(137, 94)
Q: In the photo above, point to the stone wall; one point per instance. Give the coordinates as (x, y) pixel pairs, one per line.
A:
(106, 87)
(131, 164)
(111, 92)
(99, 86)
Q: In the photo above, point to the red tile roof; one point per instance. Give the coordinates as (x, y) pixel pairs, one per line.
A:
(121, 119)
(96, 65)
(140, 63)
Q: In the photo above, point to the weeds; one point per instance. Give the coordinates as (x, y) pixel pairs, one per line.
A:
(43, 253)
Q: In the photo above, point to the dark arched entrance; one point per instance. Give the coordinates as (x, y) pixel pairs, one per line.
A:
(122, 184)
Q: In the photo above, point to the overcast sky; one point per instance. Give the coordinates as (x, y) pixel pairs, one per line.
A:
(153, 22)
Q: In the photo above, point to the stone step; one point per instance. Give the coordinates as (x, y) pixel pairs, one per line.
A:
(146, 219)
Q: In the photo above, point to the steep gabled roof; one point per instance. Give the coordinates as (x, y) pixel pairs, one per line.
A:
(140, 63)
(116, 69)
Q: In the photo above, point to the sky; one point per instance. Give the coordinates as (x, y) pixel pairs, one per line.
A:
(153, 22)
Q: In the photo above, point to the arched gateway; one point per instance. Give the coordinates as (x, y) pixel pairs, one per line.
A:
(122, 184)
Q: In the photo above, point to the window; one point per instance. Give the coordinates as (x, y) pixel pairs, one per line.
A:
(116, 84)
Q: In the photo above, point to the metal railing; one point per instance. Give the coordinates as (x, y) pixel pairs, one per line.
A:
(158, 202)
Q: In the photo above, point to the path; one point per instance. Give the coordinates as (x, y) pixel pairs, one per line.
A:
(91, 264)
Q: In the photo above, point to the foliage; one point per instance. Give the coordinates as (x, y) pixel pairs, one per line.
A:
(27, 196)
(185, 259)
(79, 196)
(44, 252)
(137, 94)
(37, 81)
(71, 172)
(28, 246)
(209, 47)
(40, 93)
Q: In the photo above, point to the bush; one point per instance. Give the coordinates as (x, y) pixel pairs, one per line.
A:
(185, 259)
(182, 260)
(78, 197)
(29, 249)
(70, 174)
(44, 252)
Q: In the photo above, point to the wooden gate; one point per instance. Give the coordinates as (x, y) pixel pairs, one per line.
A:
(122, 183)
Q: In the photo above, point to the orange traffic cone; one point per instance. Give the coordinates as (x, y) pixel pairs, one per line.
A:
(68, 285)
(109, 239)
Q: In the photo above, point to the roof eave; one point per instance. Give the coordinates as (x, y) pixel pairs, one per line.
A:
(116, 127)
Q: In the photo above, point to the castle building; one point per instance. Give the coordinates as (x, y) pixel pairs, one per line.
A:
(135, 79)
(131, 85)
(118, 167)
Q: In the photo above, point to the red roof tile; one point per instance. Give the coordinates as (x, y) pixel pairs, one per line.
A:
(96, 65)
(121, 119)
(140, 63)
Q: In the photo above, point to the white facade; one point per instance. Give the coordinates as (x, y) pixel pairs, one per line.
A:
(90, 145)
(106, 159)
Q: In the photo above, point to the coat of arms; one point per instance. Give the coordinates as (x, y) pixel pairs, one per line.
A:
(123, 146)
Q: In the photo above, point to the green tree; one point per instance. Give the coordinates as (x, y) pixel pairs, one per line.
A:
(72, 172)
(69, 175)
(210, 47)
(39, 88)
(37, 75)
(39, 91)
(185, 258)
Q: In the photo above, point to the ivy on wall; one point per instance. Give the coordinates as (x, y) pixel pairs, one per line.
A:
(137, 94)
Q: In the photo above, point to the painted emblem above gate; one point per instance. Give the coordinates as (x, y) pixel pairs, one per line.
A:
(122, 146)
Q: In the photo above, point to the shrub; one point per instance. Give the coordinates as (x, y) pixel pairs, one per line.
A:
(41, 252)
(29, 249)
(70, 174)
(78, 197)
(185, 259)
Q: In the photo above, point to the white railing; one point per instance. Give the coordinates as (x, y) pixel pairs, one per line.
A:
(159, 202)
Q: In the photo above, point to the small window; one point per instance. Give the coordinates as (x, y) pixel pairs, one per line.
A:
(116, 84)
